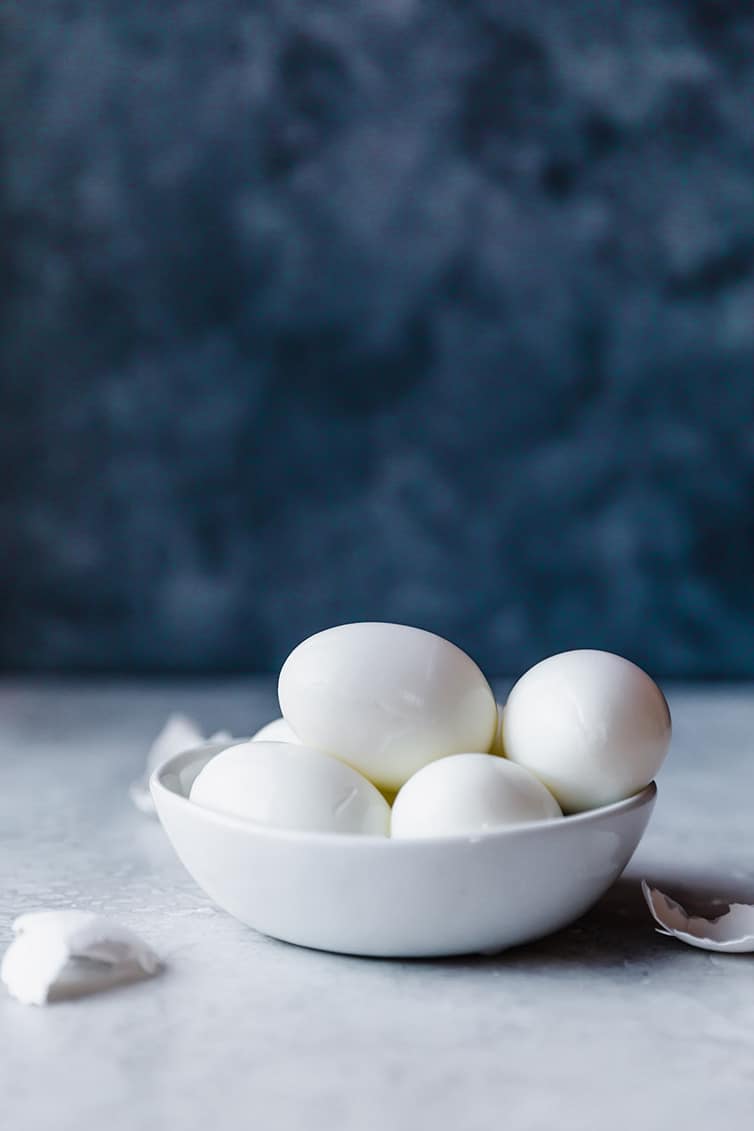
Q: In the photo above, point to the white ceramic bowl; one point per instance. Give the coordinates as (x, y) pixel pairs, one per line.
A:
(398, 898)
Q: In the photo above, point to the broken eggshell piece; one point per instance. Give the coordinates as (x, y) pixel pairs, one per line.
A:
(732, 932)
(179, 733)
(67, 954)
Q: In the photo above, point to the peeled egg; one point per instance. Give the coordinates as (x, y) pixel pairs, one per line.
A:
(386, 698)
(592, 726)
(468, 794)
(288, 786)
(276, 731)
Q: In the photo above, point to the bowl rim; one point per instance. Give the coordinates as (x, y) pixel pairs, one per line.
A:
(178, 762)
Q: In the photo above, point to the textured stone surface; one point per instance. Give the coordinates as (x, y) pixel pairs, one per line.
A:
(605, 1024)
(323, 311)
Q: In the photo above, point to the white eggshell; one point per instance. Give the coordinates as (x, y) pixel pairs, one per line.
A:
(386, 698)
(67, 954)
(592, 726)
(468, 794)
(276, 731)
(288, 786)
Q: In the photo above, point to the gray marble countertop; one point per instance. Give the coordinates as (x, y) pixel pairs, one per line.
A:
(606, 1024)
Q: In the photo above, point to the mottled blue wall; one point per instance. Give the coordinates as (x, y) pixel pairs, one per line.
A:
(436, 312)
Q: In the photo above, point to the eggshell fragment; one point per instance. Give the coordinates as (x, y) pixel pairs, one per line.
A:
(592, 726)
(289, 786)
(731, 933)
(386, 698)
(65, 954)
(179, 733)
(468, 794)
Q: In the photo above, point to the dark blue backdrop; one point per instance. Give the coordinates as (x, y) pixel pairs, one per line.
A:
(436, 312)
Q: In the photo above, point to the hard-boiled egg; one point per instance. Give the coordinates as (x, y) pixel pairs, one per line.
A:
(386, 698)
(276, 731)
(468, 794)
(289, 786)
(592, 726)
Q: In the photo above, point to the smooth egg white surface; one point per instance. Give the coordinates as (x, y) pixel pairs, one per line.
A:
(288, 786)
(591, 725)
(276, 731)
(386, 698)
(468, 794)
